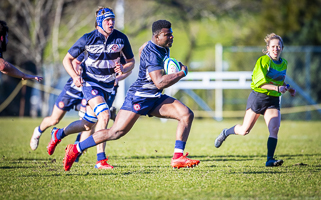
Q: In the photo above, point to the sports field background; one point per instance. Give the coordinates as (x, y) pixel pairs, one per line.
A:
(142, 164)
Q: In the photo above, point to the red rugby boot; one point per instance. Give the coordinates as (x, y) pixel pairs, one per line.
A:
(102, 164)
(70, 156)
(53, 142)
(183, 161)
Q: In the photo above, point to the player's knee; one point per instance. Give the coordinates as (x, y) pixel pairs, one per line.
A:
(101, 111)
(88, 122)
(54, 122)
(88, 126)
(103, 116)
(244, 132)
(188, 116)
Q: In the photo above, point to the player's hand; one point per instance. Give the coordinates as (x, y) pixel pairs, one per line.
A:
(38, 78)
(283, 89)
(28, 77)
(118, 68)
(77, 81)
(292, 91)
(183, 68)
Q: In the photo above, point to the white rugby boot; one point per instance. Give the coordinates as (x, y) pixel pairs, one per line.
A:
(35, 139)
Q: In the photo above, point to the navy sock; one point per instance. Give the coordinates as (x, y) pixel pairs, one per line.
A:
(179, 149)
(60, 134)
(271, 146)
(40, 131)
(89, 142)
(230, 131)
(101, 156)
(78, 137)
(180, 145)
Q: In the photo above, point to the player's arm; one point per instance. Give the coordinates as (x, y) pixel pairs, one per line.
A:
(290, 89)
(76, 65)
(141, 48)
(129, 59)
(123, 69)
(164, 81)
(121, 77)
(277, 88)
(67, 62)
(9, 69)
(129, 66)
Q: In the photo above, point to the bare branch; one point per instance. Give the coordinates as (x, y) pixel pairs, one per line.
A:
(23, 49)
(47, 8)
(26, 11)
(55, 32)
(73, 29)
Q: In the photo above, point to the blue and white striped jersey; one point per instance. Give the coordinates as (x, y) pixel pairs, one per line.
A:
(151, 59)
(100, 56)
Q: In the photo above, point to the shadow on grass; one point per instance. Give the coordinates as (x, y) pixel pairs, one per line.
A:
(26, 159)
(300, 155)
(75, 173)
(16, 167)
(216, 156)
(260, 172)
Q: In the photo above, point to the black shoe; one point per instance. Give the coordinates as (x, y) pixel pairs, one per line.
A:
(220, 139)
(273, 163)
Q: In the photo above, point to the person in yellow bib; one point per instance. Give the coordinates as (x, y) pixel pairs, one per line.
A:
(267, 85)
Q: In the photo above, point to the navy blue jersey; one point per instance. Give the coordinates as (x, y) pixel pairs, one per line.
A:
(100, 56)
(1, 53)
(151, 59)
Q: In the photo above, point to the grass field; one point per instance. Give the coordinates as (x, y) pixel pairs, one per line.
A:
(142, 164)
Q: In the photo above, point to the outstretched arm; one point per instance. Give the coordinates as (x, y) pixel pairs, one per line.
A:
(9, 69)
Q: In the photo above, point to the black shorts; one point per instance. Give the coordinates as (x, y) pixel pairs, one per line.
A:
(259, 102)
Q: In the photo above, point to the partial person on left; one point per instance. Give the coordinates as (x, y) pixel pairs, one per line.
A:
(6, 67)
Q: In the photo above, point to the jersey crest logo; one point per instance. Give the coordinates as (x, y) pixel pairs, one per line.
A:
(114, 48)
(94, 92)
(137, 107)
(61, 104)
(83, 102)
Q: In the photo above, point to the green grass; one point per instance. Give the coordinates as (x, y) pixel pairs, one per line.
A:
(142, 164)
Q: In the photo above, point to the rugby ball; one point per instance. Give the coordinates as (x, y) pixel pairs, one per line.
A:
(171, 66)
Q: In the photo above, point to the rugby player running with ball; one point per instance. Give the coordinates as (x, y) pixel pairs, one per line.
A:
(145, 97)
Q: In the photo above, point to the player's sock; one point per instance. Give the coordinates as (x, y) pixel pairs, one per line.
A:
(271, 146)
(78, 138)
(60, 134)
(230, 131)
(101, 156)
(40, 131)
(179, 149)
(89, 142)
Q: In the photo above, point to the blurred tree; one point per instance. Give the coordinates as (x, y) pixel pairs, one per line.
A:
(34, 32)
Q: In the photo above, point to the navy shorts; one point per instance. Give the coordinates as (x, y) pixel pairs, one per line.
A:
(69, 98)
(142, 105)
(92, 91)
(259, 102)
